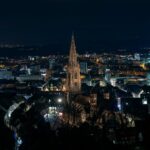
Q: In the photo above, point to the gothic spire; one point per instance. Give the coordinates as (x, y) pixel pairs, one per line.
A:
(73, 53)
(73, 71)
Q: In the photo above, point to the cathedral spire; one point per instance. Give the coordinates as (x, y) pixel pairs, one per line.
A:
(73, 74)
(73, 53)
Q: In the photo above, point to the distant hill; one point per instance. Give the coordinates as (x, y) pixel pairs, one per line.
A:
(47, 50)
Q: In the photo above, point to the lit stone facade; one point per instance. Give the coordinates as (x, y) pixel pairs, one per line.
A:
(73, 70)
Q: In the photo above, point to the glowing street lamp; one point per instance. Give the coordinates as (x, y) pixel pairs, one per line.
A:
(59, 100)
(60, 114)
(144, 101)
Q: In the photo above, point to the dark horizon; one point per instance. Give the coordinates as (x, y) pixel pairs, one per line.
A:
(97, 24)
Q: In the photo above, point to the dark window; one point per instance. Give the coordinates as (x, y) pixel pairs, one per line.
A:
(75, 75)
(75, 84)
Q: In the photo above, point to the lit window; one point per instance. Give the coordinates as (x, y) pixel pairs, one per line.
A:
(144, 101)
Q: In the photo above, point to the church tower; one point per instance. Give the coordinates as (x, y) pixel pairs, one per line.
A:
(73, 70)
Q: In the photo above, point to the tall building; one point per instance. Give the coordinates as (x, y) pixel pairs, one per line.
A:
(83, 67)
(51, 63)
(137, 56)
(107, 75)
(73, 70)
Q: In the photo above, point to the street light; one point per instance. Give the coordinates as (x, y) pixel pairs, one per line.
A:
(144, 101)
(59, 100)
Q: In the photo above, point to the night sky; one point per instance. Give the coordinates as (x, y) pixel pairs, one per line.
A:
(96, 23)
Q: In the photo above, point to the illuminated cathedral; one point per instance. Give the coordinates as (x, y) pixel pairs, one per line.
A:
(73, 70)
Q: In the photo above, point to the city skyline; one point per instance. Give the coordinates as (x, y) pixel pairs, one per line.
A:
(49, 100)
(74, 74)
